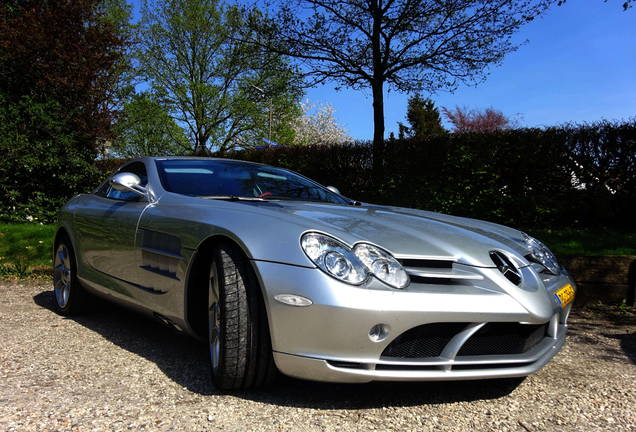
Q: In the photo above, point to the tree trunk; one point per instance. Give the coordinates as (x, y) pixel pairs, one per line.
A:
(378, 115)
(378, 131)
(200, 148)
(377, 84)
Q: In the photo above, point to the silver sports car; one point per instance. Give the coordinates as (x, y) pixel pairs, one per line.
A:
(279, 273)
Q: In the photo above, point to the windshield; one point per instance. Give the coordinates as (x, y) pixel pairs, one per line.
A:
(225, 179)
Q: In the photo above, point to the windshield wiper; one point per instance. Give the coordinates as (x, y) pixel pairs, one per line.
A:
(286, 198)
(269, 198)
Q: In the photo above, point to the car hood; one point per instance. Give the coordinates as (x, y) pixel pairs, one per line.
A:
(402, 231)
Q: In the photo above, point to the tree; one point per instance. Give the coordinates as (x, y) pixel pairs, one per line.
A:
(57, 81)
(317, 126)
(118, 14)
(408, 45)
(144, 128)
(62, 51)
(423, 118)
(488, 120)
(221, 90)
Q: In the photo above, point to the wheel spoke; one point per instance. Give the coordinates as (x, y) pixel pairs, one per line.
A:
(66, 290)
(61, 253)
(58, 295)
(214, 335)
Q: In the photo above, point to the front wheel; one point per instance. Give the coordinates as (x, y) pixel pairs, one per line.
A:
(70, 297)
(238, 332)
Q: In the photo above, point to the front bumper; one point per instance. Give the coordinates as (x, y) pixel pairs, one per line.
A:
(329, 340)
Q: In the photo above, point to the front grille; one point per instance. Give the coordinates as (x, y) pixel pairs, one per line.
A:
(503, 338)
(423, 341)
(429, 340)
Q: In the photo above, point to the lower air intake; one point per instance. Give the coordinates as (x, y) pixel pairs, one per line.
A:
(427, 340)
(503, 338)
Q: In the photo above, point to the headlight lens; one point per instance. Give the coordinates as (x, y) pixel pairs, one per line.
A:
(541, 254)
(382, 265)
(353, 266)
(334, 258)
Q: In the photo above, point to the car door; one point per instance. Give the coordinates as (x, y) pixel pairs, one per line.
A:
(107, 229)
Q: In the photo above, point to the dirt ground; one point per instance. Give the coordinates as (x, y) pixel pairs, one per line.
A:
(114, 370)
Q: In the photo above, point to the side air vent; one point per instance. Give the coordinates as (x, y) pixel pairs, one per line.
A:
(506, 267)
(426, 263)
(441, 270)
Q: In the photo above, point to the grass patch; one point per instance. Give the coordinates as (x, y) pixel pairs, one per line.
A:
(24, 248)
(577, 241)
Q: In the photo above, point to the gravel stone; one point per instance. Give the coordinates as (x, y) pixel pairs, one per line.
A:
(114, 370)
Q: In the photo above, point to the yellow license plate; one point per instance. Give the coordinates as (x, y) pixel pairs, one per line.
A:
(565, 295)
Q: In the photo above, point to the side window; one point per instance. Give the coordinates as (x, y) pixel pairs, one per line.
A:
(136, 168)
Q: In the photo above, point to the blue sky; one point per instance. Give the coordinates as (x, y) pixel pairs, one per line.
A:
(578, 64)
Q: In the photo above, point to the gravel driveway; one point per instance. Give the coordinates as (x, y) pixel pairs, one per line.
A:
(114, 370)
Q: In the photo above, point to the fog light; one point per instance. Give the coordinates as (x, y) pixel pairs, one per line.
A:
(293, 300)
(379, 332)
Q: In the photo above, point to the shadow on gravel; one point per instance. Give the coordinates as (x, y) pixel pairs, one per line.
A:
(616, 322)
(184, 361)
(628, 344)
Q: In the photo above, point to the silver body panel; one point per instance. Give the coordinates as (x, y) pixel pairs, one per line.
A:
(139, 253)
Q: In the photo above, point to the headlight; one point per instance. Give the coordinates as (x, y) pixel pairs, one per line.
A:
(382, 265)
(334, 258)
(353, 266)
(541, 254)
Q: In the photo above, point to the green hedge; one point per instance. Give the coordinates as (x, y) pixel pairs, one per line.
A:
(581, 175)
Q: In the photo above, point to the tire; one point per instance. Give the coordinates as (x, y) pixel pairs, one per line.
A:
(238, 331)
(70, 297)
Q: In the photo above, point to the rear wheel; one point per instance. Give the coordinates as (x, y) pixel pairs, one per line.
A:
(70, 297)
(238, 332)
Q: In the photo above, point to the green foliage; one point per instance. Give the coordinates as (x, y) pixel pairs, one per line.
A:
(423, 117)
(118, 15)
(59, 68)
(43, 163)
(25, 247)
(556, 177)
(595, 241)
(144, 128)
(222, 90)
(64, 51)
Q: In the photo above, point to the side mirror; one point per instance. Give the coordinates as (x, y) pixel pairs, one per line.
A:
(128, 182)
(334, 189)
